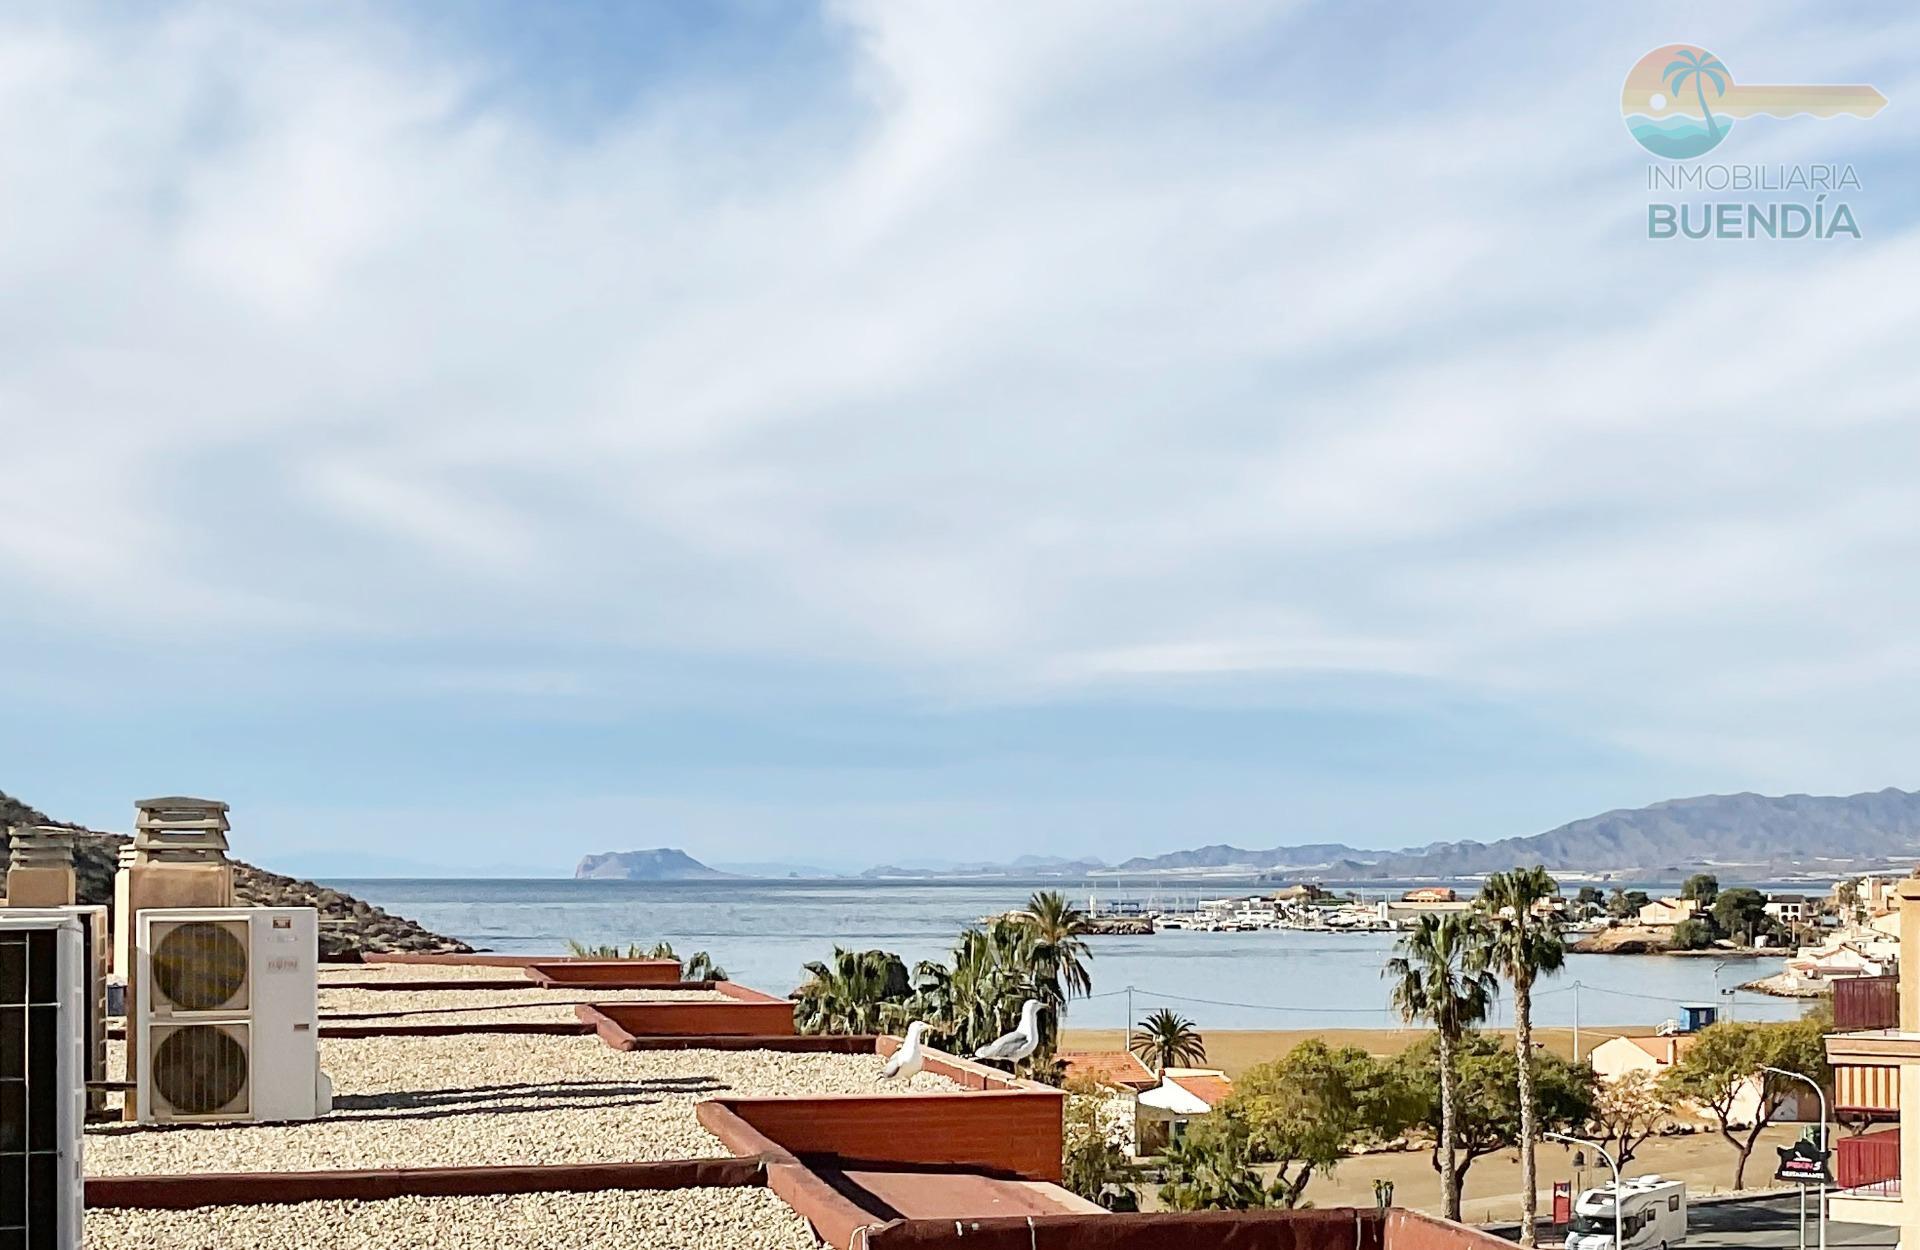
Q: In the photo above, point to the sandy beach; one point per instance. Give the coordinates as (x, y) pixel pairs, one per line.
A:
(1235, 1050)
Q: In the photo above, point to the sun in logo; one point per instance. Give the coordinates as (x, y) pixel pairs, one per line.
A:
(1670, 98)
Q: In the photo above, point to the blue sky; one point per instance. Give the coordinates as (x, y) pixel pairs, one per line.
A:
(484, 434)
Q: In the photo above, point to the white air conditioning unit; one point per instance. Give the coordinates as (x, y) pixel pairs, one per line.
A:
(42, 1081)
(96, 956)
(227, 1004)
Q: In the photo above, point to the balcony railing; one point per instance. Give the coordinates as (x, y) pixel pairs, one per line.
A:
(1870, 1162)
(1861, 1003)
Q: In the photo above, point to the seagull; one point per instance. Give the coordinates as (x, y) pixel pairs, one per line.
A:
(911, 1056)
(1020, 1043)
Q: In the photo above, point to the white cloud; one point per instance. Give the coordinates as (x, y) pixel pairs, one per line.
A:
(1081, 351)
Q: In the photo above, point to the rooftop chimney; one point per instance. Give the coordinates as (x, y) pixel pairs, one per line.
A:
(180, 831)
(40, 873)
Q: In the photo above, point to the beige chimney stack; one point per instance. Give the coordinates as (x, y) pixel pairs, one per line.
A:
(40, 874)
(178, 858)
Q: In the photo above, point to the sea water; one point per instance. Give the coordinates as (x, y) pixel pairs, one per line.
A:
(764, 932)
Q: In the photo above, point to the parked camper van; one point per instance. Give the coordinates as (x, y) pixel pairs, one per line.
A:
(1653, 1215)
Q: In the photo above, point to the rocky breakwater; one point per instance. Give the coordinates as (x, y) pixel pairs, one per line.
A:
(1120, 926)
(349, 927)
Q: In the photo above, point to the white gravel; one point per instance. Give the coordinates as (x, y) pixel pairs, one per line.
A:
(478, 1099)
(474, 1006)
(420, 972)
(748, 1218)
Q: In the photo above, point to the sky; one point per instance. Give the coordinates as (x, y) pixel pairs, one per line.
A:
(466, 437)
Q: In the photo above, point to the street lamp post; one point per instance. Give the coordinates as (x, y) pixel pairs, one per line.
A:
(1619, 1242)
(1822, 1095)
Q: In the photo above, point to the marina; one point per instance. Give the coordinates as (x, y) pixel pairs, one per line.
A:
(765, 932)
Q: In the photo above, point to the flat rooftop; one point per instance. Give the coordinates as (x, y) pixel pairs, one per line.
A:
(401, 1007)
(479, 1099)
(671, 1219)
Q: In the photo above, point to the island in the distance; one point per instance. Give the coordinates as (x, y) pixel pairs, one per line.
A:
(663, 863)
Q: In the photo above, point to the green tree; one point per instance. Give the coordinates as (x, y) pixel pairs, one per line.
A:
(1626, 904)
(1741, 914)
(1847, 895)
(1698, 68)
(1440, 976)
(1167, 1039)
(1693, 934)
(1094, 1162)
(1629, 1109)
(1525, 944)
(995, 969)
(1724, 1069)
(1589, 902)
(697, 967)
(1306, 1110)
(1060, 949)
(1211, 1168)
(853, 992)
(1702, 888)
(1485, 1076)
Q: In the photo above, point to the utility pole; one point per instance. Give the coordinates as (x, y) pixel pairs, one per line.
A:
(1128, 1032)
(1576, 1022)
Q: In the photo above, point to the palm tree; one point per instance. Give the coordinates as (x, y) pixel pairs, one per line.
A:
(856, 992)
(1168, 1040)
(1440, 976)
(699, 966)
(1524, 945)
(1060, 931)
(1697, 67)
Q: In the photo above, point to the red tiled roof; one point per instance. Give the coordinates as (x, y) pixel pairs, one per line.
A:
(1663, 1048)
(1109, 1067)
(1212, 1090)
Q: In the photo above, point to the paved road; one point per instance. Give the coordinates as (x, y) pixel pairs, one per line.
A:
(1760, 1224)
(1773, 1223)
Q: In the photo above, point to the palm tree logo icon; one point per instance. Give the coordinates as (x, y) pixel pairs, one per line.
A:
(1699, 68)
(1669, 99)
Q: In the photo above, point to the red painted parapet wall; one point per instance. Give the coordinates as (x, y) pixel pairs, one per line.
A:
(968, 1073)
(619, 1024)
(215, 1189)
(1002, 1132)
(606, 973)
(1337, 1228)
(1415, 1230)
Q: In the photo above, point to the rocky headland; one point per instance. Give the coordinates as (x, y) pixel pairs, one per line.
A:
(349, 927)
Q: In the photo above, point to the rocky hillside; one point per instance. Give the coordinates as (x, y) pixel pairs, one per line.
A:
(348, 926)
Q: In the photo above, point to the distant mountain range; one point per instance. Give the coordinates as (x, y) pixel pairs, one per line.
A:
(1751, 835)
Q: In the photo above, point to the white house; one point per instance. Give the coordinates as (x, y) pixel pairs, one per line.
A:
(1184, 1094)
(1617, 1056)
(1789, 909)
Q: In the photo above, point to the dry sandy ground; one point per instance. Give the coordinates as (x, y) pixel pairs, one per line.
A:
(1703, 1160)
(1236, 1050)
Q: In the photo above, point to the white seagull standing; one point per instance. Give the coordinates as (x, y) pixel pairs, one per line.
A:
(1020, 1043)
(910, 1058)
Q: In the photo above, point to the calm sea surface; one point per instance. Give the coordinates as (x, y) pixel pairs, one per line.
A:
(762, 932)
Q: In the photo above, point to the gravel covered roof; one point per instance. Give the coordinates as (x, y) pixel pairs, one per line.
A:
(480, 1099)
(748, 1218)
